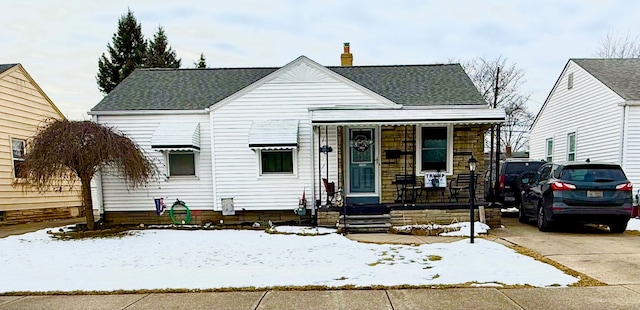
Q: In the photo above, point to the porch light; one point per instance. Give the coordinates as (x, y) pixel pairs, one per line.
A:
(472, 163)
(472, 195)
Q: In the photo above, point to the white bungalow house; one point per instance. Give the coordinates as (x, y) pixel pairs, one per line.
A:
(593, 111)
(244, 144)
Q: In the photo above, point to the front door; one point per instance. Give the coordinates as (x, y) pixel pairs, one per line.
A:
(362, 168)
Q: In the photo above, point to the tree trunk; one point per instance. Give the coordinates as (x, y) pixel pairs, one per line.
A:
(87, 203)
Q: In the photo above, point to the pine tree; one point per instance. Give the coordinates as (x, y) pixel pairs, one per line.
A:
(202, 62)
(159, 53)
(126, 53)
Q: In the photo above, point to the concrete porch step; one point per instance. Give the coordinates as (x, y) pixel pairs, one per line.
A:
(365, 223)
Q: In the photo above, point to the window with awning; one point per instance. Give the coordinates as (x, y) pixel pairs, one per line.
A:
(184, 136)
(273, 135)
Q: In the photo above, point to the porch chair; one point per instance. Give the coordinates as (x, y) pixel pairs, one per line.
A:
(460, 185)
(408, 188)
(330, 188)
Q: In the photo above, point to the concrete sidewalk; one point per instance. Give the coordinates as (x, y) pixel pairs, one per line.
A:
(601, 297)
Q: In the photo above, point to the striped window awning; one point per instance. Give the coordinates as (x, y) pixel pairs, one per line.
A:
(274, 134)
(184, 136)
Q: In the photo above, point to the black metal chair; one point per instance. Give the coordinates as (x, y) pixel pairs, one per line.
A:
(408, 188)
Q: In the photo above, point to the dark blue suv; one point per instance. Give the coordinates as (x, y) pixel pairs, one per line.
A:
(584, 192)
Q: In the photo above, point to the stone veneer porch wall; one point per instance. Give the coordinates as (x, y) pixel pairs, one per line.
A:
(465, 139)
(329, 218)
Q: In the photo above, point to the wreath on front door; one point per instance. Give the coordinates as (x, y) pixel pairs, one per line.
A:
(360, 143)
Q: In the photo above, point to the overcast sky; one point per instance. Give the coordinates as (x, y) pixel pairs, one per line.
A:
(59, 42)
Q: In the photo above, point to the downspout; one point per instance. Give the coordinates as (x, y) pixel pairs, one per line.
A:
(214, 180)
(98, 179)
(623, 134)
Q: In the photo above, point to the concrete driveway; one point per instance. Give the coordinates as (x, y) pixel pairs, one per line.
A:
(611, 258)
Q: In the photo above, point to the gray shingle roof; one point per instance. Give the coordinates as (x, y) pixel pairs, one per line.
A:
(5, 67)
(416, 84)
(178, 89)
(184, 89)
(621, 75)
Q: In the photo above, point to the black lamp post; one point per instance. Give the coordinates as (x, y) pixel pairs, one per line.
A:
(472, 194)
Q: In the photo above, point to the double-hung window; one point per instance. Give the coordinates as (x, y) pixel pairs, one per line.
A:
(435, 150)
(17, 156)
(549, 150)
(276, 161)
(571, 146)
(182, 163)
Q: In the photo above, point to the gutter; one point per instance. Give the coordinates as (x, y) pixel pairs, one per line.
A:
(149, 112)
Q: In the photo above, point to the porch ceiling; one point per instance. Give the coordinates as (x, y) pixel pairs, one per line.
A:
(408, 115)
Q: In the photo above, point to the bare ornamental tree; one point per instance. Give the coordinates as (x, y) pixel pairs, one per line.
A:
(616, 45)
(64, 151)
(506, 94)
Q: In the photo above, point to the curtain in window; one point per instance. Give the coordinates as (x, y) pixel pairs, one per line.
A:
(434, 148)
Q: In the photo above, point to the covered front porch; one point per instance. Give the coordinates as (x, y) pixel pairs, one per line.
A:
(400, 162)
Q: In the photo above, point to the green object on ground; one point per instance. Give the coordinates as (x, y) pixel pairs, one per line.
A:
(187, 218)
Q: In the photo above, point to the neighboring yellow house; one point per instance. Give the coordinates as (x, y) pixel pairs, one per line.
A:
(23, 108)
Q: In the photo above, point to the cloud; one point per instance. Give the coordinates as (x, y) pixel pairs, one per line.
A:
(59, 42)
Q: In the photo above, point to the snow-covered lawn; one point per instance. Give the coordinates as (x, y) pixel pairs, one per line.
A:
(634, 224)
(208, 259)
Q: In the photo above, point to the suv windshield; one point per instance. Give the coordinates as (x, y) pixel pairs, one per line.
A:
(591, 173)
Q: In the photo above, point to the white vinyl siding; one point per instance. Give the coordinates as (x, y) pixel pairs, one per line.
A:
(590, 109)
(288, 96)
(196, 191)
(631, 152)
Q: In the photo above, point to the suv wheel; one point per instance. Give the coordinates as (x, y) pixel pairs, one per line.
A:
(522, 217)
(618, 227)
(543, 223)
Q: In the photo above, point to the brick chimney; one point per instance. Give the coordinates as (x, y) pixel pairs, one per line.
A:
(346, 58)
(508, 151)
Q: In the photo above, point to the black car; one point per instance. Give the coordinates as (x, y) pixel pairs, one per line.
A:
(512, 171)
(578, 192)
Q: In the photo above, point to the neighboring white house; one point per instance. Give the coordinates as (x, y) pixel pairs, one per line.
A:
(251, 137)
(593, 111)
